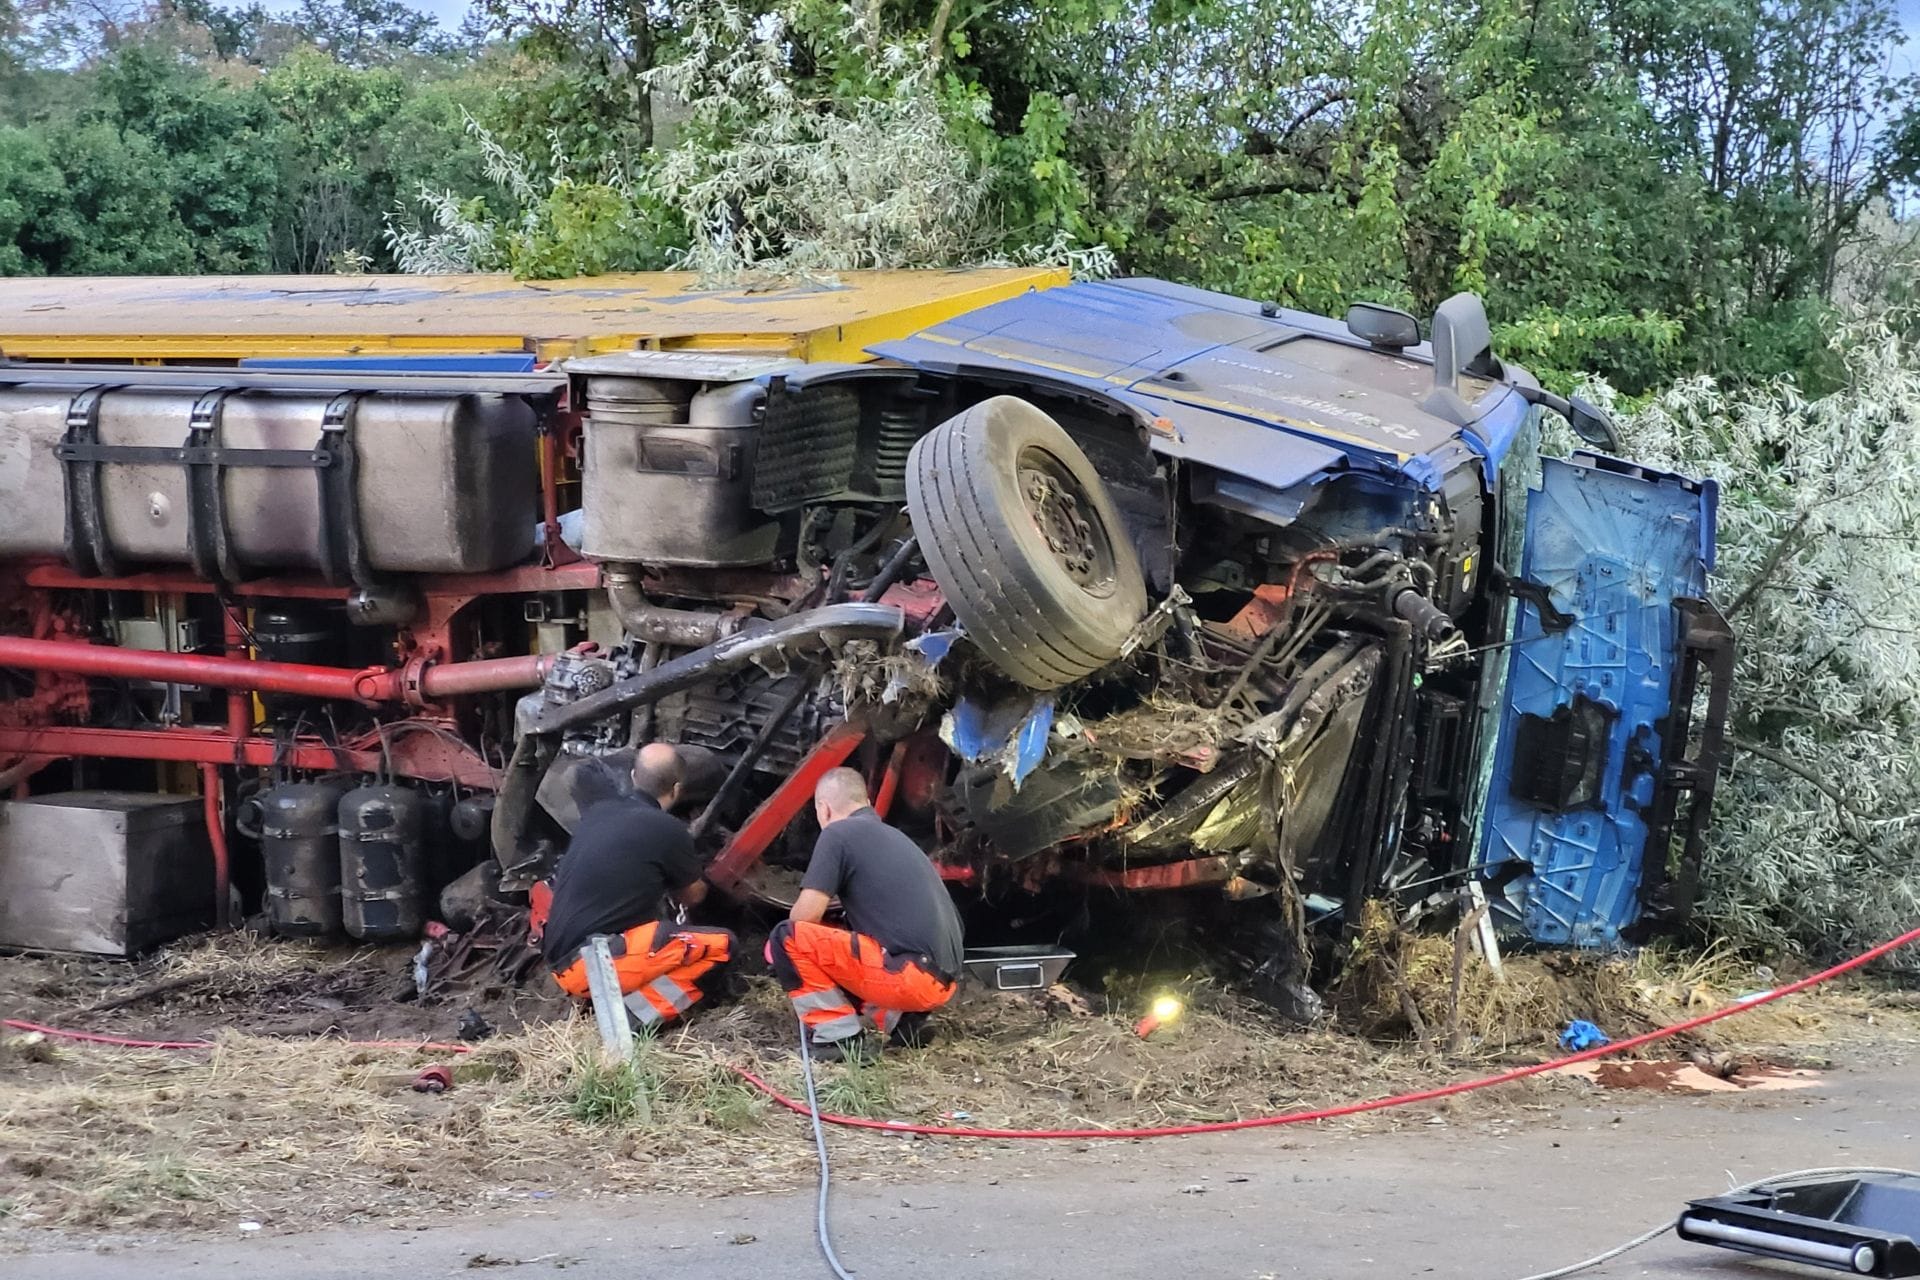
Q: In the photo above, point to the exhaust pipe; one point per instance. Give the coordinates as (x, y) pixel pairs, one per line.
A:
(656, 624)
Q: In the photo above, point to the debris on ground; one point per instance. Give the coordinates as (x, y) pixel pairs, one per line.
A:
(283, 1122)
(1689, 1077)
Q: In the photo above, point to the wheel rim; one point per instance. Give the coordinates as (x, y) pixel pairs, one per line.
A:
(1069, 525)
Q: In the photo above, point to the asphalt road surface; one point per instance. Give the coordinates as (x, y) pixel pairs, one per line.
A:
(1480, 1199)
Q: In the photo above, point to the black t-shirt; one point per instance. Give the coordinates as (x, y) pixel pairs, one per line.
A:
(889, 888)
(625, 853)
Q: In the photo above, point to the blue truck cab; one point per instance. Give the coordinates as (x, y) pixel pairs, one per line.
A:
(1452, 662)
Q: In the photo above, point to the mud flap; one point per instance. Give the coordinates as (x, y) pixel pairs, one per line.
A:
(1593, 746)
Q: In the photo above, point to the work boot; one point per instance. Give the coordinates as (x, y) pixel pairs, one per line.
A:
(857, 1049)
(911, 1031)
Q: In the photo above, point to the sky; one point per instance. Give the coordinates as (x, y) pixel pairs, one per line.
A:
(450, 12)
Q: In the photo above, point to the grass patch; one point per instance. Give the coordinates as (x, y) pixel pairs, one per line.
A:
(614, 1094)
(863, 1086)
(722, 1102)
(272, 1124)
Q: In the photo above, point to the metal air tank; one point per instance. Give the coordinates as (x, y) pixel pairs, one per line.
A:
(382, 862)
(299, 631)
(300, 844)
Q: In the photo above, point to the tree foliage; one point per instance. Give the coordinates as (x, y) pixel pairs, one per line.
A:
(1815, 846)
(166, 151)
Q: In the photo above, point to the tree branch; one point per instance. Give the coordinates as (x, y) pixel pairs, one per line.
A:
(1801, 771)
(937, 33)
(1774, 560)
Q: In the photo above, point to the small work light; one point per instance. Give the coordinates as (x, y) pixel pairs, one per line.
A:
(1163, 1010)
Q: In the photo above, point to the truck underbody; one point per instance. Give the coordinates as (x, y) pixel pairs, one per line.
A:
(1115, 588)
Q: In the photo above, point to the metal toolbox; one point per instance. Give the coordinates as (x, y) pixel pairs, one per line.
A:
(1017, 968)
(107, 872)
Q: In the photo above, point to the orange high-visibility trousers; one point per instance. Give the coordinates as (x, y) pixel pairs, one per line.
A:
(825, 970)
(659, 966)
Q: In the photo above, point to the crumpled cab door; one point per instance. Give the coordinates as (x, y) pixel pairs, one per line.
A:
(1598, 738)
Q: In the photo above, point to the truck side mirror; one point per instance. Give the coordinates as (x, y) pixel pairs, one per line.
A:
(1593, 424)
(1382, 326)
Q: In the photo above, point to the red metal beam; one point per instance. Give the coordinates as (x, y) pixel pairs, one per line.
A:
(533, 577)
(890, 779)
(210, 791)
(780, 808)
(1166, 875)
(414, 755)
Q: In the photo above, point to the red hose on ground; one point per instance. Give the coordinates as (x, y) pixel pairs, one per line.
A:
(121, 1042)
(1351, 1108)
(1166, 1131)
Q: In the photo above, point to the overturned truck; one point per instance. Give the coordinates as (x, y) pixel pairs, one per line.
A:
(1118, 588)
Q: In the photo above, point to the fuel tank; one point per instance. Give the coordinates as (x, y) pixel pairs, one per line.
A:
(442, 483)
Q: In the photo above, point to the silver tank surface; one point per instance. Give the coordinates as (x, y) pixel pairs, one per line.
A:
(667, 468)
(446, 484)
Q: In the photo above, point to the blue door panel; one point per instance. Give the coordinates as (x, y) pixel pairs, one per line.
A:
(1589, 684)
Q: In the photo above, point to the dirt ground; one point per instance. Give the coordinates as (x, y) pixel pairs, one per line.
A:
(284, 1123)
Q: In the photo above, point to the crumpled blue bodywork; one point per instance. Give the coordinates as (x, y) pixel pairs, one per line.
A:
(1228, 386)
(1263, 406)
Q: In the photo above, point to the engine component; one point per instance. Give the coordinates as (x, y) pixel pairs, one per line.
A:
(573, 676)
(248, 480)
(1020, 533)
(667, 474)
(297, 631)
(382, 862)
(725, 718)
(471, 818)
(300, 844)
(811, 630)
(655, 624)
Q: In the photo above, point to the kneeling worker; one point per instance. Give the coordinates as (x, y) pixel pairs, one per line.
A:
(625, 854)
(904, 954)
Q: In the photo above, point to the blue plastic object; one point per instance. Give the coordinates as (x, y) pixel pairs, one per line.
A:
(1614, 544)
(1581, 1035)
(1013, 731)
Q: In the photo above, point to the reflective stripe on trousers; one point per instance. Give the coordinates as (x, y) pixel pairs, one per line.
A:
(659, 970)
(825, 969)
(829, 1015)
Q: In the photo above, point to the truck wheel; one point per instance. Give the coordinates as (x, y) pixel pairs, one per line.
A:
(1021, 535)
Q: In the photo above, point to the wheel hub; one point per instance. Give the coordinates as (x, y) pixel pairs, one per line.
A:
(1062, 521)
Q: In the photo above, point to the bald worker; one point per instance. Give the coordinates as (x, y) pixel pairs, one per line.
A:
(626, 855)
(902, 956)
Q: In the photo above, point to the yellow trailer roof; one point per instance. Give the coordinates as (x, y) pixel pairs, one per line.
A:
(227, 317)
